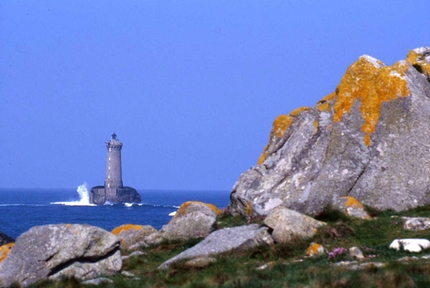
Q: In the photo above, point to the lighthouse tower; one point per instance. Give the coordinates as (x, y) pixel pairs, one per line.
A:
(113, 190)
(113, 177)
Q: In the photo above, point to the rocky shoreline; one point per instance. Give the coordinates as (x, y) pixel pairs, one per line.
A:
(364, 147)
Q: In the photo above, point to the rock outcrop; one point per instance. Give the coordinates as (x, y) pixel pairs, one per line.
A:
(370, 139)
(63, 250)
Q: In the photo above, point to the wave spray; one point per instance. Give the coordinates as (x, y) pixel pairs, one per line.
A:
(84, 197)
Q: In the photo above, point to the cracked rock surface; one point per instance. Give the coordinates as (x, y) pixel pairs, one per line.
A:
(369, 139)
(61, 250)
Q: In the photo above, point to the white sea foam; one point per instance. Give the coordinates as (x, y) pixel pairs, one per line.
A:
(83, 194)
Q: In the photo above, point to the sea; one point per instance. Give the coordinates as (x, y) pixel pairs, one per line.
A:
(23, 208)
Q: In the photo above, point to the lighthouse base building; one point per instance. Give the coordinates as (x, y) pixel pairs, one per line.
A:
(100, 195)
(113, 191)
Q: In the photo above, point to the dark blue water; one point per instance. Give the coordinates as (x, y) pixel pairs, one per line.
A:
(21, 209)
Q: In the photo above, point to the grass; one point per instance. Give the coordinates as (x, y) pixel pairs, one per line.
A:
(287, 265)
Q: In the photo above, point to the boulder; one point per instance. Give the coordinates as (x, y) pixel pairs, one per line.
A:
(131, 234)
(62, 250)
(225, 240)
(369, 139)
(193, 219)
(288, 225)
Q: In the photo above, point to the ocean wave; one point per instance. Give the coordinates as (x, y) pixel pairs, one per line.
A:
(72, 203)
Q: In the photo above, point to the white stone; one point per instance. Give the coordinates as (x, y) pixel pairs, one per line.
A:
(410, 245)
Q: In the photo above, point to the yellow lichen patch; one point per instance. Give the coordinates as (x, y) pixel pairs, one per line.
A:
(4, 250)
(314, 249)
(214, 208)
(416, 59)
(262, 155)
(281, 124)
(125, 227)
(247, 208)
(297, 111)
(352, 202)
(183, 208)
(324, 104)
(371, 83)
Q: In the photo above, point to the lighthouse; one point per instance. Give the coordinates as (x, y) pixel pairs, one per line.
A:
(113, 177)
(113, 190)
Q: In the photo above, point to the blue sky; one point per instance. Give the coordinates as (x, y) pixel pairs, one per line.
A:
(190, 87)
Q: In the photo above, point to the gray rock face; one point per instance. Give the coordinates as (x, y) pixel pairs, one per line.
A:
(370, 139)
(63, 250)
(288, 224)
(193, 219)
(224, 240)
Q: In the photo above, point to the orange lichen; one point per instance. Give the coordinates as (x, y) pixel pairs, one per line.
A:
(416, 59)
(281, 124)
(4, 250)
(262, 155)
(314, 249)
(324, 104)
(372, 83)
(297, 111)
(352, 202)
(183, 208)
(125, 227)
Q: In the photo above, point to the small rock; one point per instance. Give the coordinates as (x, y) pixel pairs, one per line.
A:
(265, 266)
(138, 245)
(200, 262)
(416, 223)
(97, 281)
(351, 207)
(128, 274)
(356, 253)
(410, 245)
(315, 249)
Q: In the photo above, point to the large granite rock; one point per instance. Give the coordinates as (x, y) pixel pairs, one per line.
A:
(224, 240)
(370, 139)
(63, 250)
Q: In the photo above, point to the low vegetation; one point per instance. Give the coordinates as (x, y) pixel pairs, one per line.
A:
(285, 265)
